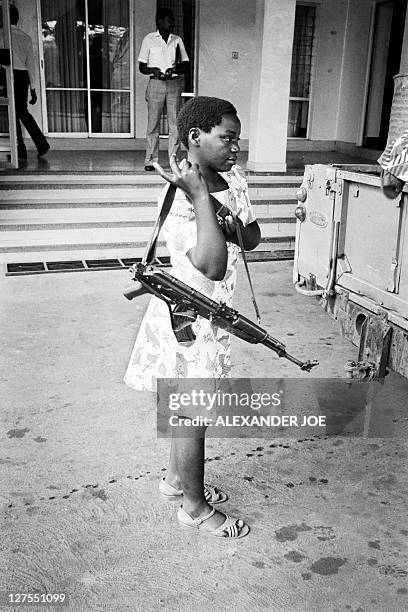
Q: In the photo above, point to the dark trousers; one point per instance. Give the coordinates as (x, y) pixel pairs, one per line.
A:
(21, 85)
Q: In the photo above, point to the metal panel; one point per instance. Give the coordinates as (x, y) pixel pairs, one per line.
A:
(315, 234)
(403, 255)
(370, 233)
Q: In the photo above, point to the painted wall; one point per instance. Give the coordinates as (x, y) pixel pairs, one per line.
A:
(342, 33)
(225, 27)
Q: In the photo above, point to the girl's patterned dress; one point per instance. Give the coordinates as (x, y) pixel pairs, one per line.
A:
(395, 157)
(156, 353)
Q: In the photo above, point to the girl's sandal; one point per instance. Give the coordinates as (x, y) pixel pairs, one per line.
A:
(231, 528)
(212, 494)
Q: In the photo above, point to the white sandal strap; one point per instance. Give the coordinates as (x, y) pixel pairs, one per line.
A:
(211, 494)
(230, 527)
(200, 520)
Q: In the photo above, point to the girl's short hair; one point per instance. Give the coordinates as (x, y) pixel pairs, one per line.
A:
(202, 112)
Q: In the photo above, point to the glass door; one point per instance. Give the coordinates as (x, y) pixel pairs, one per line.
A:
(87, 67)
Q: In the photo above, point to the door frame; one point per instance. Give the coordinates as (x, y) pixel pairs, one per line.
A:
(368, 72)
(9, 101)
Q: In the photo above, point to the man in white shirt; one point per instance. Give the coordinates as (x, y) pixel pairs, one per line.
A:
(23, 71)
(163, 58)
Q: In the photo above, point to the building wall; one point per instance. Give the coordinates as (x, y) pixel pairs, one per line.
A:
(342, 34)
(225, 27)
(342, 37)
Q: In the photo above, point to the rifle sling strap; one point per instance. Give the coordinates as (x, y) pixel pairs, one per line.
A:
(150, 253)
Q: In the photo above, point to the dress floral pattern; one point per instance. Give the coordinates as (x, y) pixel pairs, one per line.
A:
(156, 353)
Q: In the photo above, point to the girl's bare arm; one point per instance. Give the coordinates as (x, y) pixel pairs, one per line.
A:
(209, 255)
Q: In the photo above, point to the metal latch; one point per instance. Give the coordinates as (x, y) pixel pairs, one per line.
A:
(360, 370)
(332, 187)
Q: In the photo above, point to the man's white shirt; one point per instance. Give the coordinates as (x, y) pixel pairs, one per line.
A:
(156, 53)
(23, 54)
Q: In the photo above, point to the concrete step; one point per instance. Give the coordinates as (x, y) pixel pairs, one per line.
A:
(116, 194)
(102, 251)
(64, 216)
(96, 235)
(108, 214)
(25, 180)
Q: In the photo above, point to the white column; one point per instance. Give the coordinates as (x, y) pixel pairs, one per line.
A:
(274, 27)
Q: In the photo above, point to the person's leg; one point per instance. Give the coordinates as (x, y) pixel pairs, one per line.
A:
(20, 102)
(173, 101)
(155, 98)
(172, 475)
(189, 458)
(21, 95)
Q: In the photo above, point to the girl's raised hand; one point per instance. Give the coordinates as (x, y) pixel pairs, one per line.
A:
(186, 176)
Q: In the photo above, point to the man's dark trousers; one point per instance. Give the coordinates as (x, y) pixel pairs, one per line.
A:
(21, 85)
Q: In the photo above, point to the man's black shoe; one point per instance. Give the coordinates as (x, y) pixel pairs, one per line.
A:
(150, 168)
(43, 150)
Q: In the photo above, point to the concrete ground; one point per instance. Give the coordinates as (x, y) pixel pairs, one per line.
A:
(81, 461)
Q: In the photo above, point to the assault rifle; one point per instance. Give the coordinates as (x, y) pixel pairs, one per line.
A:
(185, 304)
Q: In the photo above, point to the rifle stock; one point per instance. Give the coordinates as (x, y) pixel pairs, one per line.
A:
(174, 292)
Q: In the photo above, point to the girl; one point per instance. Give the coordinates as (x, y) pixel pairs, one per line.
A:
(204, 255)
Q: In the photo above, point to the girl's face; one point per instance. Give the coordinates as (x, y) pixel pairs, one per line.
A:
(218, 149)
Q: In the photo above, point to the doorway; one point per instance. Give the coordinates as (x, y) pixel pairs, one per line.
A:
(87, 67)
(387, 39)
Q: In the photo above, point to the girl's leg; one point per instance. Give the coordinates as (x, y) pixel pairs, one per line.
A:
(172, 476)
(188, 455)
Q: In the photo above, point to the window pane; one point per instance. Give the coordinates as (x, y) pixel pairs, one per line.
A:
(66, 111)
(109, 44)
(302, 53)
(297, 123)
(110, 112)
(63, 31)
